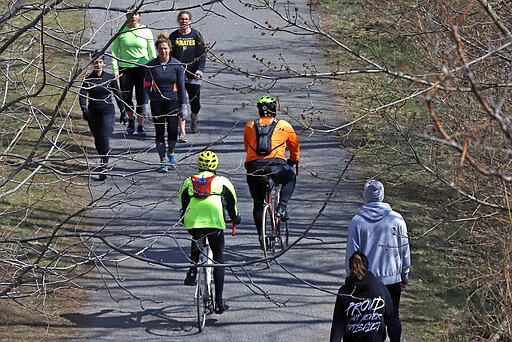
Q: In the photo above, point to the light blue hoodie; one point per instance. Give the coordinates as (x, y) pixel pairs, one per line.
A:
(381, 234)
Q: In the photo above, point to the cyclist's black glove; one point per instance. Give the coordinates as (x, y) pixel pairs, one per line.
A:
(291, 162)
(238, 219)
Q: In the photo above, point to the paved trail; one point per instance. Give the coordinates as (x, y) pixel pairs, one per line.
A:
(291, 301)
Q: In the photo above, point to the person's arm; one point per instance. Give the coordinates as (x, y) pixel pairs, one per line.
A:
(115, 57)
(82, 98)
(249, 134)
(338, 321)
(200, 55)
(180, 80)
(229, 195)
(293, 145)
(116, 91)
(150, 44)
(148, 83)
(184, 197)
(405, 253)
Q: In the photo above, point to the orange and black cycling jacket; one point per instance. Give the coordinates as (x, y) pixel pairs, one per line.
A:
(284, 135)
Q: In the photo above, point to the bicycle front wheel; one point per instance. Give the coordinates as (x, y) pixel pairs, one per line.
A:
(201, 298)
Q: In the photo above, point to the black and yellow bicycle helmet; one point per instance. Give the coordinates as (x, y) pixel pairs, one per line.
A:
(267, 106)
(207, 161)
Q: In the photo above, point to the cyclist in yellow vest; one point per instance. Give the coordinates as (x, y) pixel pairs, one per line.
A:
(203, 198)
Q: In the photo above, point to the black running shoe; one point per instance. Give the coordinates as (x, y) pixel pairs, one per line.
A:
(220, 307)
(190, 279)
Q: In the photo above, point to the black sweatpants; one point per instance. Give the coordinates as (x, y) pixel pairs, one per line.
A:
(101, 122)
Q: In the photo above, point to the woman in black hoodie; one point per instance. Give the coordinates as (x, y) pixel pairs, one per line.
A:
(97, 95)
(363, 305)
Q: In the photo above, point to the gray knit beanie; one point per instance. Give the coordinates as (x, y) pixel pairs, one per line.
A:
(373, 191)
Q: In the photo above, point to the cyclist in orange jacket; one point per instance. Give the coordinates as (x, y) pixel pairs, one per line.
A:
(265, 141)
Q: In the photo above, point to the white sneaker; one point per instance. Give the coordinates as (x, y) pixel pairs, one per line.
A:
(182, 138)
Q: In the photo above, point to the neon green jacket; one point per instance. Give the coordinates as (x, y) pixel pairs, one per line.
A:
(208, 212)
(133, 47)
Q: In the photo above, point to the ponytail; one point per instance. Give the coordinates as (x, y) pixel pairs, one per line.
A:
(358, 264)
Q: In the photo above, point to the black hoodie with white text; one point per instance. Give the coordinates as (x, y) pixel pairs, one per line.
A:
(361, 311)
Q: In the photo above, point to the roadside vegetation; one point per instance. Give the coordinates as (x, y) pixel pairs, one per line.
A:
(41, 180)
(430, 120)
(426, 93)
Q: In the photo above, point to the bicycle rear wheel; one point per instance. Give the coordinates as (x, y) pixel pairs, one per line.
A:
(267, 231)
(281, 227)
(201, 298)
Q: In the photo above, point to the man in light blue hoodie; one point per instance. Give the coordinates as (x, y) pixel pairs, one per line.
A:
(381, 234)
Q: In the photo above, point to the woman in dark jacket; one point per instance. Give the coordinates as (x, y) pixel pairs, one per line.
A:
(189, 48)
(164, 84)
(98, 109)
(363, 305)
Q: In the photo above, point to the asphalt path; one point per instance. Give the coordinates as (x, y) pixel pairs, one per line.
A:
(137, 206)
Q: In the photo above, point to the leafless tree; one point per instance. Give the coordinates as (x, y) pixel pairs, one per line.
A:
(443, 97)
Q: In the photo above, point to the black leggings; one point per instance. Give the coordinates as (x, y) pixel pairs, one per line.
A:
(194, 97)
(101, 122)
(282, 174)
(132, 78)
(165, 114)
(216, 240)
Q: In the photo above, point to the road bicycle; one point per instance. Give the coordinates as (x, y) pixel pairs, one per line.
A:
(204, 295)
(274, 231)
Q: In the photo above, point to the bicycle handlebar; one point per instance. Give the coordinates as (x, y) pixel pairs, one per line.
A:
(233, 227)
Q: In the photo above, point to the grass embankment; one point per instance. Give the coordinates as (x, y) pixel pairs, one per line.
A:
(42, 151)
(453, 293)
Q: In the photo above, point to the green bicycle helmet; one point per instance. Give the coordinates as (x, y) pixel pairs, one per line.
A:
(207, 161)
(267, 106)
